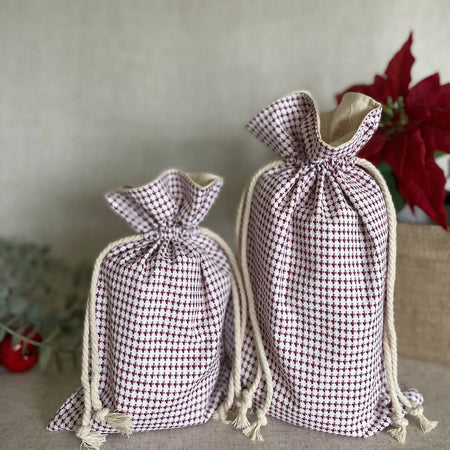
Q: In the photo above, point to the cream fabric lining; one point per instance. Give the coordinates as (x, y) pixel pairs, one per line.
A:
(342, 123)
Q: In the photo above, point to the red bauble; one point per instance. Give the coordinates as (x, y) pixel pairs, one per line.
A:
(18, 359)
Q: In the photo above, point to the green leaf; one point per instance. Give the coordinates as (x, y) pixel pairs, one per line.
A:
(77, 275)
(52, 335)
(16, 338)
(34, 313)
(4, 292)
(71, 298)
(49, 323)
(76, 345)
(391, 182)
(75, 359)
(48, 289)
(59, 365)
(3, 308)
(29, 272)
(45, 353)
(2, 334)
(72, 322)
(17, 305)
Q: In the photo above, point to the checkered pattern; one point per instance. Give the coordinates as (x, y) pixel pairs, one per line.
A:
(316, 250)
(160, 307)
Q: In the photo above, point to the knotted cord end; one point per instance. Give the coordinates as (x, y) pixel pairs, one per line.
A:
(254, 430)
(399, 432)
(90, 439)
(425, 424)
(245, 404)
(120, 421)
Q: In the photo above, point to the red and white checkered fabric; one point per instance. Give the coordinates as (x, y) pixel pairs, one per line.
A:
(160, 306)
(316, 251)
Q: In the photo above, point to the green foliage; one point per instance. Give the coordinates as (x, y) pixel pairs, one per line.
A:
(391, 182)
(41, 293)
(45, 353)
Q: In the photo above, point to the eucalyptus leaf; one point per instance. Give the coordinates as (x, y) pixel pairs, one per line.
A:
(73, 322)
(4, 292)
(52, 335)
(34, 313)
(76, 344)
(48, 289)
(59, 365)
(12, 321)
(75, 359)
(3, 309)
(77, 276)
(45, 353)
(29, 272)
(17, 305)
(49, 323)
(71, 299)
(16, 338)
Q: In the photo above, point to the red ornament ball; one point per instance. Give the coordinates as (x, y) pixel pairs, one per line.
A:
(23, 356)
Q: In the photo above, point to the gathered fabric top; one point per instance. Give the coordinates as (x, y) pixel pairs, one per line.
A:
(172, 206)
(293, 128)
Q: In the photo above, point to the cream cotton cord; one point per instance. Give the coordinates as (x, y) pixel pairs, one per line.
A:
(237, 288)
(90, 385)
(253, 430)
(389, 334)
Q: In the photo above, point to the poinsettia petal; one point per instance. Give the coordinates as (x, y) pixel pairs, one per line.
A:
(436, 138)
(420, 181)
(398, 70)
(424, 92)
(417, 114)
(366, 89)
(395, 154)
(380, 89)
(373, 150)
(443, 98)
(440, 118)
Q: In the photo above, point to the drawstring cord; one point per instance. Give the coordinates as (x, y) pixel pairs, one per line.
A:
(92, 404)
(234, 385)
(120, 421)
(253, 430)
(389, 334)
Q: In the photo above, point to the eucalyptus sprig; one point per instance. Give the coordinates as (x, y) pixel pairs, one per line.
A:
(44, 294)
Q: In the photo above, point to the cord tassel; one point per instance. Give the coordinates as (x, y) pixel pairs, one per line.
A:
(245, 403)
(90, 439)
(425, 424)
(117, 420)
(254, 430)
(399, 432)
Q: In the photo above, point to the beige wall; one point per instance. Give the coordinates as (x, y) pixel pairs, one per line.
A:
(96, 94)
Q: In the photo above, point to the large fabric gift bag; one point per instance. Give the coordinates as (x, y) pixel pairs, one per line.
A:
(152, 346)
(317, 247)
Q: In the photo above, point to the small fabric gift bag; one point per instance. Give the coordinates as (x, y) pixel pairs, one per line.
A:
(317, 240)
(152, 346)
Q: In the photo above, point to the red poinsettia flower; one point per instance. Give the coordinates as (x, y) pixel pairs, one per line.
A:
(414, 125)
